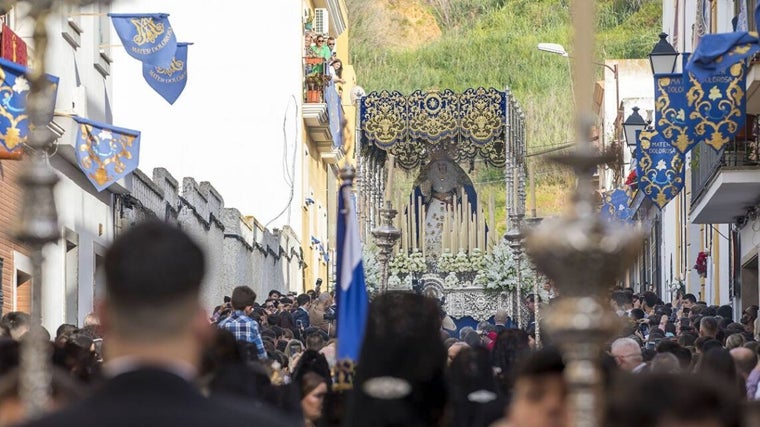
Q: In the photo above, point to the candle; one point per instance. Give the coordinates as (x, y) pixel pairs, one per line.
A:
(491, 219)
(403, 231)
(482, 225)
(423, 226)
(391, 161)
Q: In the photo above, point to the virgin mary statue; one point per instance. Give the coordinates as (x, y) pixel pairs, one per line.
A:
(441, 184)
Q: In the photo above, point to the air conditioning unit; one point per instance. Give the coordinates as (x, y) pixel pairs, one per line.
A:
(321, 21)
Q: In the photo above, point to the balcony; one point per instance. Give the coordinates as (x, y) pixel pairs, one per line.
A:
(322, 111)
(724, 184)
(753, 87)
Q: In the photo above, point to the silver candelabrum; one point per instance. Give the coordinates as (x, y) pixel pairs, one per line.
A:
(386, 235)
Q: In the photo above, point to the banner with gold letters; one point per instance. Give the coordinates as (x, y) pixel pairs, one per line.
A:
(717, 105)
(671, 108)
(14, 123)
(106, 153)
(169, 82)
(660, 168)
(147, 37)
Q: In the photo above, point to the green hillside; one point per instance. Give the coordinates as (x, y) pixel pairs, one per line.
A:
(492, 43)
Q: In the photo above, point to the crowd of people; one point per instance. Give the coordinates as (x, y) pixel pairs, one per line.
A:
(151, 355)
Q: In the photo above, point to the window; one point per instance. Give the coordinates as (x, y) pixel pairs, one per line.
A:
(102, 61)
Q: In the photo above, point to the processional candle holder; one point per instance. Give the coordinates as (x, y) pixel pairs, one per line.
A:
(38, 218)
(386, 235)
(514, 238)
(583, 256)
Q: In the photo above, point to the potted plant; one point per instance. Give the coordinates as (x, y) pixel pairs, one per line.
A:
(315, 83)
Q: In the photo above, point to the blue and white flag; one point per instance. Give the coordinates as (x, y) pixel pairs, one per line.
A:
(334, 114)
(106, 153)
(147, 37)
(14, 123)
(169, 82)
(353, 304)
(660, 168)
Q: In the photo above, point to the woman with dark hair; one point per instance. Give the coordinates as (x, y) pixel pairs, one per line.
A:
(718, 363)
(313, 390)
(400, 378)
(509, 348)
(473, 397)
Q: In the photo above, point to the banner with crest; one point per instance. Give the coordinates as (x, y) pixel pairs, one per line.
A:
(616, 205)
(671, 108)
(147, 37)
(169, 82)
(660, 168)
(717, 105)
(106, 153)
(14, 123)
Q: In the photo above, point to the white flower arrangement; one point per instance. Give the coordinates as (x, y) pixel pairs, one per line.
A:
(371, 268)
(461, 262)
(499, 272)
(404, 263)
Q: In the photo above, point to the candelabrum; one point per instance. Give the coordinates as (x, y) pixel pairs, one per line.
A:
(38, 218)
(386, 235)
(514, 238)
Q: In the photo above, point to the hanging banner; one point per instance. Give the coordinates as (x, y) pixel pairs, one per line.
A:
(169, 82)
(616, 205)
(14, 123)
(106, 153)
(147, 37)
(670, 109)
(717, 52)
(12, 47)
(716, 105)
(660, 168)
(334, 114)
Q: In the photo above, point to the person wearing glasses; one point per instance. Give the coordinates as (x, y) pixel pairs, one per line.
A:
(321, 49)
(627, 354)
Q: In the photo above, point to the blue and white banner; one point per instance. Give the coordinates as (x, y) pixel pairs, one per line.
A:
(14, 120)
(106, 153)
(616, 206)
(147, 37)
(717, 52)
(352, 300)
(671, 108)
(169, 82)
(335, 114)
(660, 168)
(716, 104)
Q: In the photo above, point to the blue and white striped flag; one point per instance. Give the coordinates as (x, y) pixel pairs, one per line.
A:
(353, 303)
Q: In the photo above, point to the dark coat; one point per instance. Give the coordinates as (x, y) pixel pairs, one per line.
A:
(153, 397)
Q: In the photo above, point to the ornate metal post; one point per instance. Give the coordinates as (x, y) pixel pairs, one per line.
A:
(386, 235)
(582, 254)
(514, 238)
(38, 219)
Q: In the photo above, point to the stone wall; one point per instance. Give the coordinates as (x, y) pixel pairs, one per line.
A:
(239, 250)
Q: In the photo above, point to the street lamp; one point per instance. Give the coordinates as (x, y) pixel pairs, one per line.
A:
(632, 126)
(663, 56)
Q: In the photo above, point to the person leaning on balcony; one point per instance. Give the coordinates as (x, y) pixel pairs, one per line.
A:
(336, 71)
(320, 48)
(308, 51)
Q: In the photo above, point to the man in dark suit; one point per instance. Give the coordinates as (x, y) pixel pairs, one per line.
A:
(301, 313)
(155, 330)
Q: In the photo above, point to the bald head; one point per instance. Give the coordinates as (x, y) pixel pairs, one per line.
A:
(745, 360)
(627, 353)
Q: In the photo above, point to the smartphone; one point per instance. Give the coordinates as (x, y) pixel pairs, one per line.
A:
(295, 349)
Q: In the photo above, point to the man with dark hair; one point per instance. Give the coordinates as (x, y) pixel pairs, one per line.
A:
(649, 300)
(540, 391)
(241, 324)
(708, 327)
(689, 300)
(157, 330)
(274, 293)
(301, 314)
(623, 302)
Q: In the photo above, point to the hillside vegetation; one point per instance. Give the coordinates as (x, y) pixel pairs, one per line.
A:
(436, 44)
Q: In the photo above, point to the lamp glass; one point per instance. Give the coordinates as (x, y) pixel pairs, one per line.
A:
(663, 63)
(632, 126)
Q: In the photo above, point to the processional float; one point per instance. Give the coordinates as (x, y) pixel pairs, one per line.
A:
(446, 231)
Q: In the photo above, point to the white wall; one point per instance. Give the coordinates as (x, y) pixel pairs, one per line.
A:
(244, 80)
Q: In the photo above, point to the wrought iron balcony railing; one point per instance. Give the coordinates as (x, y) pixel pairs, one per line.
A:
(706, 163)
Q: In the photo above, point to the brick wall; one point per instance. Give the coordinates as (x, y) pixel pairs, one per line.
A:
(10, 200)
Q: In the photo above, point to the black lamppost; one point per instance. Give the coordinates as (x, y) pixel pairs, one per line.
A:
(663, 56)
(632, 126)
